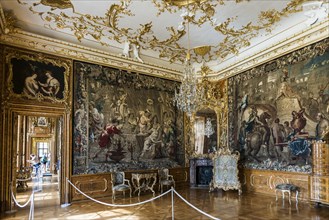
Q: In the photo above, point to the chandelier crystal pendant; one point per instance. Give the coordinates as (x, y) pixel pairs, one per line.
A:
(208, 128)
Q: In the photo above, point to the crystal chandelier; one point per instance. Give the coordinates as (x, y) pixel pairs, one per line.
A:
(208, 128)
(189, 96)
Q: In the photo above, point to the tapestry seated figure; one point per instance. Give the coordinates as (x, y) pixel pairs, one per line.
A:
(165, 179)
(119, 183)
(300, 146)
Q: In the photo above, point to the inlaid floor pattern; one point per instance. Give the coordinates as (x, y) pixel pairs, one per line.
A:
(222, 205)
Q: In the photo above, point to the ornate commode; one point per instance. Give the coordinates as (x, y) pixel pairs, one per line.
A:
(319, 181)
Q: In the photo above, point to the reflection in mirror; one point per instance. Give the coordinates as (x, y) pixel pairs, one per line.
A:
(205, 127)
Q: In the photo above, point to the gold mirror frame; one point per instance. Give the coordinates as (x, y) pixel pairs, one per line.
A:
(215, 98)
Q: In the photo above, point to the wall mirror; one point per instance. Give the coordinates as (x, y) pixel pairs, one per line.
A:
(205, 126)
(206, 129)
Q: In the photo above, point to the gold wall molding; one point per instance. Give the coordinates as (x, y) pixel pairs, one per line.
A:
(99, 185)
(93, 186)
(309, 36)
(264, 181)
(39, 43)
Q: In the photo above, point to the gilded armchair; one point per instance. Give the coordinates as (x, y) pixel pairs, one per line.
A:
(165, 179)
(119, 183)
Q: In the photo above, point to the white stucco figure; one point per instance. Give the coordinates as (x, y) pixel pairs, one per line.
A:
(135, 49)
(126, 49)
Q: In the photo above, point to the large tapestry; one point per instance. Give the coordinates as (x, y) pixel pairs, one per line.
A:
(277, 109)
(124, 121)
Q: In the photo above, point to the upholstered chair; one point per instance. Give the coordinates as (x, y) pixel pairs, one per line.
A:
(119, 183)
(165, 179)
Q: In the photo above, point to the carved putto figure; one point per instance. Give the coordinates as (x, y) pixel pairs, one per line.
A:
(134, 47)
(126, 49)
(136, 53)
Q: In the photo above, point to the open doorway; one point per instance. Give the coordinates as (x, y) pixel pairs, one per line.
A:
(39, 142)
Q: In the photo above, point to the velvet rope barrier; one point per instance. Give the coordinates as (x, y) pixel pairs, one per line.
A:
(172, 190)
(202, 212)
(31, 199)
(116, 205)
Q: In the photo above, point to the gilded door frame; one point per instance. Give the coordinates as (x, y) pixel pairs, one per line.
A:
(9, 163)
(13, 105)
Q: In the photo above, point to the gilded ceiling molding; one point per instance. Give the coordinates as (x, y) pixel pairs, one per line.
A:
(197, 12)
(234, 38)
(2, 20)
(311, 35)
(69, 50)
(61, 4)
(7, 21)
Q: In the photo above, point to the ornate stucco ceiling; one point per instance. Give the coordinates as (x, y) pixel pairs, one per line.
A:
(221, 33)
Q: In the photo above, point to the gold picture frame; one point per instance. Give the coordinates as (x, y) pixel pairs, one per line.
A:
(37, 76)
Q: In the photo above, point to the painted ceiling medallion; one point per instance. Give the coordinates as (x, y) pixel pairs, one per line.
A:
(124, 24)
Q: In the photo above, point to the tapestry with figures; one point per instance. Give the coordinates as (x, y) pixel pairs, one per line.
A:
(124, 121)
(277, 109)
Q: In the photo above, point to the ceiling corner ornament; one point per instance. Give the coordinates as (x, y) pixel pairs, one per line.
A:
(308, 36)
(7, 21)
(63, 16)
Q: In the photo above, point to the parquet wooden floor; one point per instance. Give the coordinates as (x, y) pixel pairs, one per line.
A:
(222, 205)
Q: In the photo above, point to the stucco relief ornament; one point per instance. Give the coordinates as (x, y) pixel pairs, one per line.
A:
(131, 47)
(314, 11)
(126, 49)
(8, 26)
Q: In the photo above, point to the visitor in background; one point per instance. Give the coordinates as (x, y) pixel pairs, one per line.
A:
(44, 161)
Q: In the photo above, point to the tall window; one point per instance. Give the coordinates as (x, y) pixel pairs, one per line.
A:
(43, 148)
